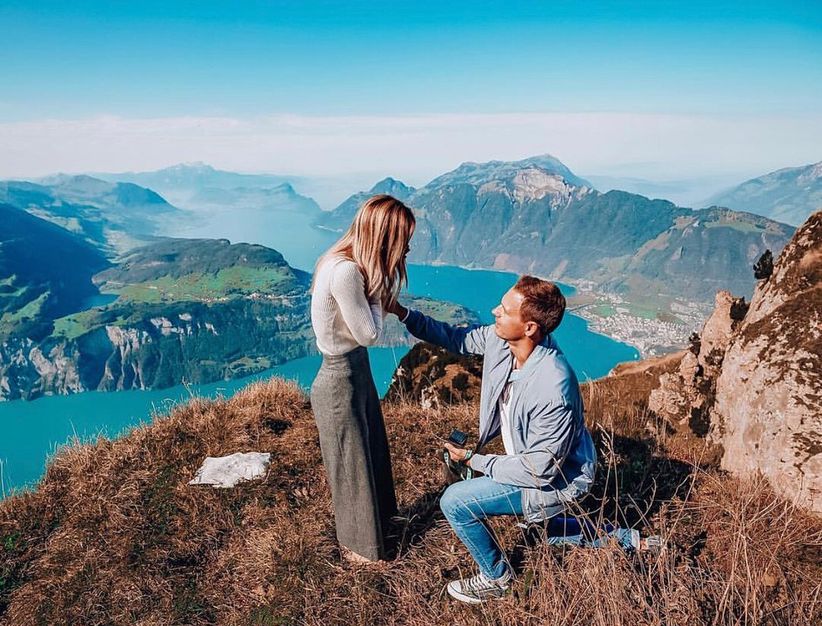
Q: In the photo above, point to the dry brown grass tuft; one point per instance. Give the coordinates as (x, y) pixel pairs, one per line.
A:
(114, 535)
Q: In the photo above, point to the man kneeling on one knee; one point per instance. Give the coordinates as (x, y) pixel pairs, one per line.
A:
(530, 396)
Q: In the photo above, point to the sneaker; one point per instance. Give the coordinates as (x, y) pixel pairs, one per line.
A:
(478, 588)
(653, 544)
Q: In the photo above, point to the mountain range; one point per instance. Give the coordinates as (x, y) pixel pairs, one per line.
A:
(181, 182)
(788, 195)
(114, 216)
(536, 216)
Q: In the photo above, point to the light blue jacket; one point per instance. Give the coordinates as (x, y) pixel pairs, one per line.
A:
(554, 456)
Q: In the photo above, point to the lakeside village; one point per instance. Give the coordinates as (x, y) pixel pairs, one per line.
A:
(652, 328)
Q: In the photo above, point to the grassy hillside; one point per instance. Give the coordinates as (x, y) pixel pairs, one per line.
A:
(114, 535)
(165, 278)
(36, 283)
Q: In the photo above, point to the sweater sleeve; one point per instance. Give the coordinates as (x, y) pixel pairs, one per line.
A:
(363, 318)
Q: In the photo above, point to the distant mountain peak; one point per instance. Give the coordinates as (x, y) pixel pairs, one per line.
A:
(535, 183)
(285, 188)
(788, 195)
(199, 166)
(393, 187)
(813, 173)
(480, 173)
(62, 179)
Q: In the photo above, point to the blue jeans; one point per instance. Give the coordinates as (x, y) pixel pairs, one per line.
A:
(467, 504)
(569, 531)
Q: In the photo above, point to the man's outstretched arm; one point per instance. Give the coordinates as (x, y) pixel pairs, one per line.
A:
(458, 339)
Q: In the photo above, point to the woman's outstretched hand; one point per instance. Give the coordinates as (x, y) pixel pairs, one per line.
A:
(397, 309)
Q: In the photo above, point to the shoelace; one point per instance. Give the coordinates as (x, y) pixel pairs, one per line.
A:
(477, 583)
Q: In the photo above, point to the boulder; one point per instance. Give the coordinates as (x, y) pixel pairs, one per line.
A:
(752, 380)
(432, 377)
(769, 392)
(686, 397)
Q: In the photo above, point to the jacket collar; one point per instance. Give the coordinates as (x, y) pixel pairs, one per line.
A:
(546, 347)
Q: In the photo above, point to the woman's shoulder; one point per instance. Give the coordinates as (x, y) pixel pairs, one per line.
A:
(340, 267)
(337, 262)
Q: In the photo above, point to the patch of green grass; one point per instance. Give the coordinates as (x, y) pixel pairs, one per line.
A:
(76, 324)
(743, 227)
(645, 312)
(445, 311)
(10, 541)
(31, 310)
(227, 282)
(603, 310)
(250, 362)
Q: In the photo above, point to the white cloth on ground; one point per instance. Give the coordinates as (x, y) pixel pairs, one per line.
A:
(227, 471)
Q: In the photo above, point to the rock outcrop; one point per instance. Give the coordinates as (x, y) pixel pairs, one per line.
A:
(686, 397)
(769, 393)
(753, 379)
(433, 377)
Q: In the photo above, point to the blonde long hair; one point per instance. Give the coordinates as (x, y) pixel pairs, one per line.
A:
(377, 241)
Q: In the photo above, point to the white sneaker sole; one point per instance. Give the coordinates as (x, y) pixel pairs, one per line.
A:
(454, 592)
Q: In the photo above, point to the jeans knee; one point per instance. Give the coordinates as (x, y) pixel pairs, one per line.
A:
(450, 502)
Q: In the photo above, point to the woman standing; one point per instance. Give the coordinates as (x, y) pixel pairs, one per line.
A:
(355, 280)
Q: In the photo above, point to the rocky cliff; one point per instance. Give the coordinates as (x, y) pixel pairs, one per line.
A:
(160, 345)
(753, 379)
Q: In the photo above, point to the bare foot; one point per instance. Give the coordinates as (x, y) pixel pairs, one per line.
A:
(358, 559)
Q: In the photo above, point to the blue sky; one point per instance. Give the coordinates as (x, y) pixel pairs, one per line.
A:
(245, 60)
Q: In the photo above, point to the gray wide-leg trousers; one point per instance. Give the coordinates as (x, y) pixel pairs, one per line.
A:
(355, 451)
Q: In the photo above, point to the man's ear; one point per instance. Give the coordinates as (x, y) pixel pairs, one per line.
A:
(531, 329)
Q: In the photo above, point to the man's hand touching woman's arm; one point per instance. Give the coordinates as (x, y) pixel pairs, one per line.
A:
(397, 309)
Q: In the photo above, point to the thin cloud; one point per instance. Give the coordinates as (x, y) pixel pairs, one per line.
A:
(417, 147)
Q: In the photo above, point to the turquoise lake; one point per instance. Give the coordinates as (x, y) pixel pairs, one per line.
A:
(31, 431)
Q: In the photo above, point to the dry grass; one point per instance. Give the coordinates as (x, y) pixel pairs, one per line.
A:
(114, 535)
